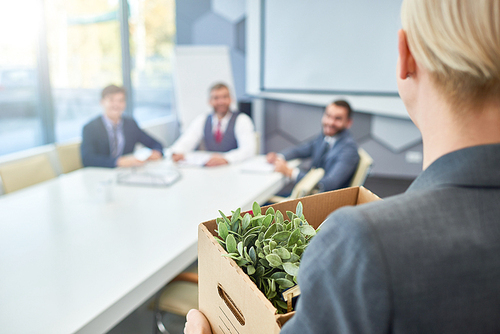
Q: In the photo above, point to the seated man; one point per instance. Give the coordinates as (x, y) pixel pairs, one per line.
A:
(334, 150)
(230, 133)
(107, 139)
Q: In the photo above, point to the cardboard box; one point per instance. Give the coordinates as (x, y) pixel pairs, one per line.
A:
(228, 297)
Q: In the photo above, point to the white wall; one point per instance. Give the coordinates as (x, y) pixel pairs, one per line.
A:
(387, 106)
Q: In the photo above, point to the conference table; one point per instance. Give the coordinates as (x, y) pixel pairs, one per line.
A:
(75, 261)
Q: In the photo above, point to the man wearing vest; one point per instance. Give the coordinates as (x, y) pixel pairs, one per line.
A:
(334, 150)
(229, 134)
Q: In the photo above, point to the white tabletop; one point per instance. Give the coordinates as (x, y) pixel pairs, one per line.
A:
(72, 262)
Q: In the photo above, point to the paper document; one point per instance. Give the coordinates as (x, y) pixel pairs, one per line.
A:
(143, 154)
(195, 159)
(152, 177)
(257, 165)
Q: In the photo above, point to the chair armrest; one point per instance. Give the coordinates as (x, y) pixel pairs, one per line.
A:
(187, 277)
(277, 199)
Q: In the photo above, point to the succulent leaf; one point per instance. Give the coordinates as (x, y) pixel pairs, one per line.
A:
(265, 263)
(298, 210)
(245, 222)
(236, 215)
(270, 210)
(281, 236)
(256, 209)
(284, 283)
(223, 231)
(281, 304)
(307, 230)
(252, 254)
(279, 217)
(274, 260)
(282, 252)
(294, 237)
(267, 221)
(278, 274)
(225, 218)
(250, 270)
(291, 268)
(270, 231)
(231, 244)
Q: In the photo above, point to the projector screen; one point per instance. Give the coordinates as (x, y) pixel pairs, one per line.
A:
(330, 46)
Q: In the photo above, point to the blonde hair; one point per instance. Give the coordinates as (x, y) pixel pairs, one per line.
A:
(458, 42)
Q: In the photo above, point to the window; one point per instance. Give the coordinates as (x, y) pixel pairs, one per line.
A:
(84, 51)
(20, 124)
(83, 38)
(152, 33)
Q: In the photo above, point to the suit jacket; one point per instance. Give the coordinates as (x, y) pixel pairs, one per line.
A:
(427, 261)
(339, 163)
(95, 142)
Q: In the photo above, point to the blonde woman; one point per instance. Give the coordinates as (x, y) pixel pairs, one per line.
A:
(427, 261)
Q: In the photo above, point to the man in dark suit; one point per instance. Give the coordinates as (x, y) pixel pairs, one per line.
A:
(108, 139)
(334, 150)
(428, 260)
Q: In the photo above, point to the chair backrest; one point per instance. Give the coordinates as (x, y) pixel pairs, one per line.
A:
(25, 173)
(69, 156)
(364, 166)
(305, 186)
(257, 143)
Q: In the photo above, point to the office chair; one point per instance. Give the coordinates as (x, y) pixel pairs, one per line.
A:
(178, 297)
(26, 172)
(257, 143)
(69, 156)
(364, 166)
(304, 187)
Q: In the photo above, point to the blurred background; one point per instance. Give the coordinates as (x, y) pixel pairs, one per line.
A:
(57, 55)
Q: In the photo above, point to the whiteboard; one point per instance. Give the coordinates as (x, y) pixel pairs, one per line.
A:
(333, 46)
(196, 69)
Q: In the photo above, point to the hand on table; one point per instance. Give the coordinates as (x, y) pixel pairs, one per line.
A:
(216, 160)
(128, 161)
(155, 155)
(281, 166)
(176, 157)
(196, 323)
(271, 157)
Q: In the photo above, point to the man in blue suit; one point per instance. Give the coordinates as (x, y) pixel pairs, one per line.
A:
(334, 150)
(108, 139)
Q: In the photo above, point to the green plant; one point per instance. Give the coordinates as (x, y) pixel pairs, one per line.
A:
(268, 247)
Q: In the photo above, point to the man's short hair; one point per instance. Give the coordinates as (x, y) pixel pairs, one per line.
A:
(218, 86)
(458, 42)
(344, 104)
(112, 89)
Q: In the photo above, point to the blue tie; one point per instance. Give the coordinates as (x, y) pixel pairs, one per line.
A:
(114, 144)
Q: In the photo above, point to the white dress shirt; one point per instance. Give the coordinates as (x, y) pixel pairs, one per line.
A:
(243, 131)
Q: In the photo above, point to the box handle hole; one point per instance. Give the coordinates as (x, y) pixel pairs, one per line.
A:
(231, 305)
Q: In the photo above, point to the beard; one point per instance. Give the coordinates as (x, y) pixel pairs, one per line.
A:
(332, 131)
